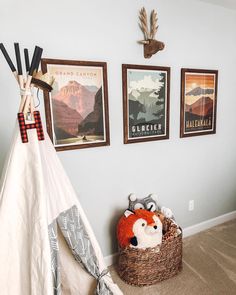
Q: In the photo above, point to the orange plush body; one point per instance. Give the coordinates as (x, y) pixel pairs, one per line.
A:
(139, 229)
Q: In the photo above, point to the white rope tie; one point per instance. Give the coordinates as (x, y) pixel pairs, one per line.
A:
(26, 92)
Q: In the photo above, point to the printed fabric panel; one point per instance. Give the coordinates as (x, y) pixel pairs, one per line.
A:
(77, 238)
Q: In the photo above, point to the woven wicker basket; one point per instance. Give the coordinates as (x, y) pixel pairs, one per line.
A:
(143, 267)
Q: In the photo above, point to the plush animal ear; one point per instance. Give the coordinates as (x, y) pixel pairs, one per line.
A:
(132, 197)
(133, 241)
(152, 197)
(128, 212)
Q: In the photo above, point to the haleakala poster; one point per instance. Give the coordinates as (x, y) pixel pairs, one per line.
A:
(199, 102)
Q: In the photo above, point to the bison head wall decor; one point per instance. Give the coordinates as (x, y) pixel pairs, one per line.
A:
(151, 46)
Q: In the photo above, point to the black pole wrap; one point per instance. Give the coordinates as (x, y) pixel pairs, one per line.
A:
(7, 57)
(38, 58)
(26, 54)
(18, 58)
(34, 60)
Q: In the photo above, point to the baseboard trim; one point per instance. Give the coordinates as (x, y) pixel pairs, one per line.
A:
(194, 229)
(111, 259)
(188, 231)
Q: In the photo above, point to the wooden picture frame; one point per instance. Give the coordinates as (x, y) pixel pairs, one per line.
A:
(77, 108)
(198, 102)
(146, 97)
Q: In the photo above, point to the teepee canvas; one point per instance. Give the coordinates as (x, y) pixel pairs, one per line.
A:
(47, 245)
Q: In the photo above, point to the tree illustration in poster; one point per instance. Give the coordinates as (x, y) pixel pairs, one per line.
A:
(198, 103)
(146, 103)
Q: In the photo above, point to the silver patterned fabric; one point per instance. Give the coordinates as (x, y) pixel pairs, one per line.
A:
(76, 236)
(52, 231)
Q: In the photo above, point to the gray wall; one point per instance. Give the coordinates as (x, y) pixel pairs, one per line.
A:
(197, 35)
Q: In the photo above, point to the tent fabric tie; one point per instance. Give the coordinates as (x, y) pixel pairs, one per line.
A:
(104, 272)
(101, 287)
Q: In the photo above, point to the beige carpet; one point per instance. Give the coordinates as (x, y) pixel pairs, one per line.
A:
(209, 266)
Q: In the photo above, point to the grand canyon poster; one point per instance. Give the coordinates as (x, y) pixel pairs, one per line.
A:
(146, 101)
(198, 103)
(77, 105)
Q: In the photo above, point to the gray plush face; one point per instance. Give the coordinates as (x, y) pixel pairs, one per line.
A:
(147, 203)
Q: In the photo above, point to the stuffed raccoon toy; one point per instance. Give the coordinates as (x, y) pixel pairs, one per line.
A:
(147, 203)
(150, 204)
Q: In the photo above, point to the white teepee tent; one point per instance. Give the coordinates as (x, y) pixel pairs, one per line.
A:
(47, 245)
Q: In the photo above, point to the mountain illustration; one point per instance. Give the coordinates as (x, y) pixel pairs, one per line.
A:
(66, 120)
(200, 91)
(77, 97)
(202, 107)
(91, 88)
(146, 96)
(93, 123)
(135, 93)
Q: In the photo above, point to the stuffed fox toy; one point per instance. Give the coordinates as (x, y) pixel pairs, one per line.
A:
(139, 229)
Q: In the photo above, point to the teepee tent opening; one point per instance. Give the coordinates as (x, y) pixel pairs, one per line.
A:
(47, 244)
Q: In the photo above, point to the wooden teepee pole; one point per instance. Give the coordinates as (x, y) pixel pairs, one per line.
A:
(26, 100)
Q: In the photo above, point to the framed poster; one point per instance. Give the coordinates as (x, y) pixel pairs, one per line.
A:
(77, 107)
(145, 103)
(198, 102)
